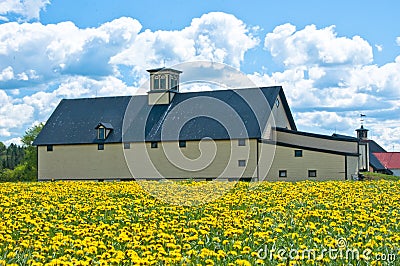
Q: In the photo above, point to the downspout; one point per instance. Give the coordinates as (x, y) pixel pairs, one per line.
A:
(37, 163)
(258, 161)
(359, 155)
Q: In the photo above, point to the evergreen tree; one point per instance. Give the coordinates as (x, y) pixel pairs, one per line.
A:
(20, 163)
(11, 156)
(3, 150)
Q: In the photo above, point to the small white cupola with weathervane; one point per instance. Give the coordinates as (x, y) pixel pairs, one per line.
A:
(103, 130)
(164, 83)
(362, 133)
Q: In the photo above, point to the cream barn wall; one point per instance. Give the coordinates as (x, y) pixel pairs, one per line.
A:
(328, 166)
(317, 143)
(87, 162)
(82, 162)
(165, 161)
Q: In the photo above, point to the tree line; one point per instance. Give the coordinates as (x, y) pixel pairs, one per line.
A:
(19, 163)
(11, 156)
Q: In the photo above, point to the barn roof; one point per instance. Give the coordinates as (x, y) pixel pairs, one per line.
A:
(375, 163)
(222, 114)
(390, 160)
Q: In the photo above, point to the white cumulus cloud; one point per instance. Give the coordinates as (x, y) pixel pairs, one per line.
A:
(215, 36)
(16, 141)
(329, 80)
(41, 53)
(25, 9)
(13, 114)
(325, 120)
(316, 46)
(7, 74)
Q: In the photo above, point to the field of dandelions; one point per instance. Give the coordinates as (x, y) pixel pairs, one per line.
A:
(270, 223)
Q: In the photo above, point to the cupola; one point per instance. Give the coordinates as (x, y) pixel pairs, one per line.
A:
(362, 133)
(164, 84)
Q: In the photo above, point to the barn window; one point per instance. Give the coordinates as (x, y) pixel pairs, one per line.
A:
(241, 142)
(182, 143)
(154, 144)
(312, 173)
(282, 173)
(49, 147)
(103, 130)
(100, 147)
(298, 153)
(242, 163)
(127, 146)
(101, 133)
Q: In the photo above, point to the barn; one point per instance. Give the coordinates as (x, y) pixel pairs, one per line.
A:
(236, 134)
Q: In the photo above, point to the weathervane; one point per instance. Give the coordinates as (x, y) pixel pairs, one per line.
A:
(362, 118)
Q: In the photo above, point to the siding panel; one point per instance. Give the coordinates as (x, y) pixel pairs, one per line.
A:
(170, 161)
(328, 166)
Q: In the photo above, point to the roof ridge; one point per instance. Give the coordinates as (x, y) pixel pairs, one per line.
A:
(103, 97)
(181, 92)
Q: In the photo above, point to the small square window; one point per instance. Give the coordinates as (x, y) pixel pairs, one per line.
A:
(298, 153)
(242, 163)
(49, 147)
(127, 146)
(182, 143)
(154, 144)
(100, 147)
(241, 142)
(282, 173)
(312, 173)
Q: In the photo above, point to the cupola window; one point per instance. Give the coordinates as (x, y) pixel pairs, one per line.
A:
(163, 83)
(156, 82)
(174, 82)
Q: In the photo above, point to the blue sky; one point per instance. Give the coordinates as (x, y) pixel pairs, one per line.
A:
(335, 59)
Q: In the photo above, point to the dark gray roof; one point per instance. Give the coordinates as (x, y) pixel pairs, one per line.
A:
(105, 125)
(222, 114)
(163, 69)
(314, 135)
(375, 163)
(344, 137)
(375, 147)
(74, 121)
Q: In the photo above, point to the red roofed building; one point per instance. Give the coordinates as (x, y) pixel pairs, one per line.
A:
(390, 160)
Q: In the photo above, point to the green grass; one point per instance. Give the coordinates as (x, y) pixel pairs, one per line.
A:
(376, 176)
